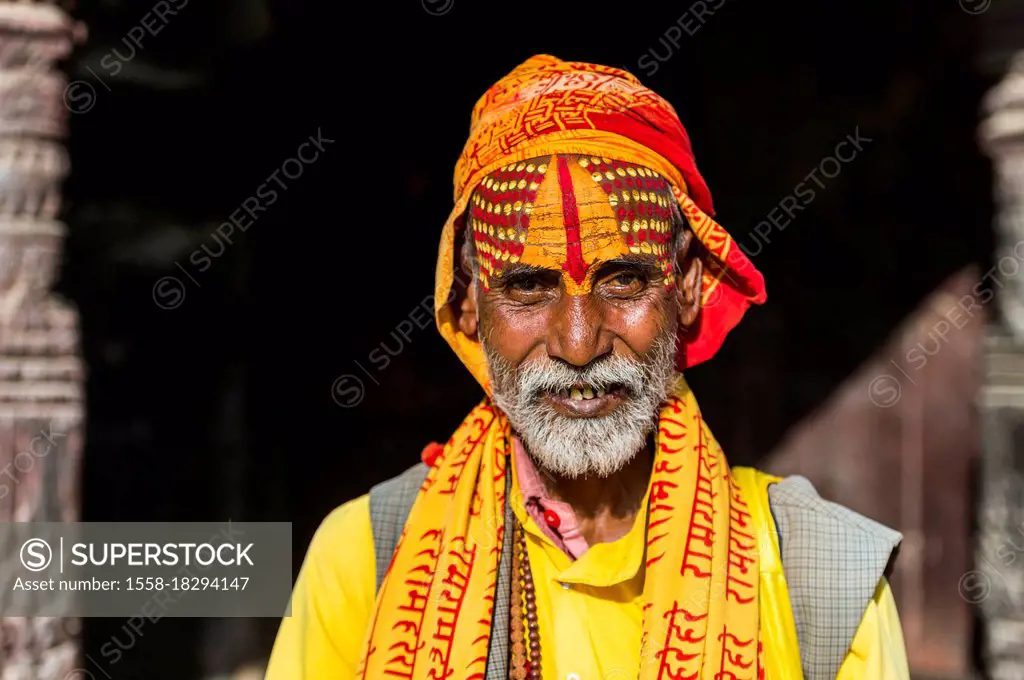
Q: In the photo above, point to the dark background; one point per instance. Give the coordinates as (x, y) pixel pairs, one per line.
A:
(224, 408)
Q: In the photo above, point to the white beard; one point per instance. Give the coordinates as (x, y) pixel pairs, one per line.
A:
(575, 447)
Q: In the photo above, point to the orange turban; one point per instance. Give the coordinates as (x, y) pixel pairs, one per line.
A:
(549, 106)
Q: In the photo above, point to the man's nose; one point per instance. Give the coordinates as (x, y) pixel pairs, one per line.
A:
(577, 334)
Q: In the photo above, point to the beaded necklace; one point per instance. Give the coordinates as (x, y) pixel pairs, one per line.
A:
(525, 635)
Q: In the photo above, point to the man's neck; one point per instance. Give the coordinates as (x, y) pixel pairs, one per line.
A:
(605, 507)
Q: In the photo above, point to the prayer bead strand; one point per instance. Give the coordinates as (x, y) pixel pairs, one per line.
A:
(526, 655)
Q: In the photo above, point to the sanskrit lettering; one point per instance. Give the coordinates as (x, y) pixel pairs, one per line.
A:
(459, 558)
(740, 583)
(700, 537)
(738, 657)
(683, 643)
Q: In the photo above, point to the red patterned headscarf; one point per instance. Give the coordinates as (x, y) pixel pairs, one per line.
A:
(549, 106)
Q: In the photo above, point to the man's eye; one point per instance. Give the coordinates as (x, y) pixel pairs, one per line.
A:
(529, 287)
(626, 281)
(623, 283)
(525, 285)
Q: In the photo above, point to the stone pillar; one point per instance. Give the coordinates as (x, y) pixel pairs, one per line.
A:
(897, 442)
(40, 370)
(997, 584)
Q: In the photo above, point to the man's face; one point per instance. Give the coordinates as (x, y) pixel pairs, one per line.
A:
(579, 320)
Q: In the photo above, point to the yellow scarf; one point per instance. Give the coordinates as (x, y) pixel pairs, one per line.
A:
(434, 611)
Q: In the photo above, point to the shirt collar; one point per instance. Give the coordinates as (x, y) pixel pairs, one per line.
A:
(602, 564)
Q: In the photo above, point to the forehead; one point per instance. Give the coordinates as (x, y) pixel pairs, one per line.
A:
(570, 212)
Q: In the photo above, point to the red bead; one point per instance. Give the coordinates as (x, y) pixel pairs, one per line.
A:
(551, 517)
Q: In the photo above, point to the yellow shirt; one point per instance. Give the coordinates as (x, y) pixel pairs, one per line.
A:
(596, 619)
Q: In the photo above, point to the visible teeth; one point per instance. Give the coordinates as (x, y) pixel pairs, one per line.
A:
(584, 393)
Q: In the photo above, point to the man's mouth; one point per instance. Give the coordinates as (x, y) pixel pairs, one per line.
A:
(586, 401)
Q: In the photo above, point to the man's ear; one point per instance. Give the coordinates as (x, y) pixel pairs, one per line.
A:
(689, 278)
(465, 300)
(468, 317)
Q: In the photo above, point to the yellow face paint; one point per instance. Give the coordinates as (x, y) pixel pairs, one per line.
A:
(571, 213)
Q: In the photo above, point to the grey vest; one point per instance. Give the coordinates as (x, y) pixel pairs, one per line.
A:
(832, 558)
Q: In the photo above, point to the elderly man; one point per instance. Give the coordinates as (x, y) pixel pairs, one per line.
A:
(583, 523)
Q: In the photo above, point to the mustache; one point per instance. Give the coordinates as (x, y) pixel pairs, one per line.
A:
(613, 371)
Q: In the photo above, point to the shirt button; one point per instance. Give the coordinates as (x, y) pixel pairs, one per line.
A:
(551, 517)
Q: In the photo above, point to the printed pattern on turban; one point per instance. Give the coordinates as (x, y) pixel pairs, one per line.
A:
(568, 212)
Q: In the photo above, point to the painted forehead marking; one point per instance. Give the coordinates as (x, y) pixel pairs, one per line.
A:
(570, 212)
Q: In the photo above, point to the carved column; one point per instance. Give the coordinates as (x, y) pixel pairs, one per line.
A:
(40, 371)
(997, 585)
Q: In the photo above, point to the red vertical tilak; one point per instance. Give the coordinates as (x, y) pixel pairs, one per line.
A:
(574, 263)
